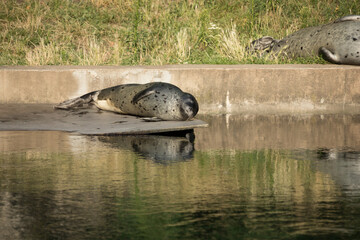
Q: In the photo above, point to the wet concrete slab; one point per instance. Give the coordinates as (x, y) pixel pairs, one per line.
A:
(88, 120)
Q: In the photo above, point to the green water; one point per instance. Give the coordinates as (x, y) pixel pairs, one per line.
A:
(61, 186)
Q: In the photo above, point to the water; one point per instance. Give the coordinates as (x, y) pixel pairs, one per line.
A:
(245, 177)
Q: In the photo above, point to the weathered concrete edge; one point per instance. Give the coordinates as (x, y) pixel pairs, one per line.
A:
(218, 88)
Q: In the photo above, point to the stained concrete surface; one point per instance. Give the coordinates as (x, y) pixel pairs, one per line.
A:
(89, 120)
(265, 89)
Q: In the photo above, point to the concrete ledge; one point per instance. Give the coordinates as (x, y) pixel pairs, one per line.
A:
(218, 88)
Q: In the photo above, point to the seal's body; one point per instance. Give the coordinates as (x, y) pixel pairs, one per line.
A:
(161, 100)
(337, 42)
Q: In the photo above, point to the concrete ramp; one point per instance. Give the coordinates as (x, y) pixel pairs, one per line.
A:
(89, 121)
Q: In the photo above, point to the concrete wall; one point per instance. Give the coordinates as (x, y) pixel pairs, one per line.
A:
(218, 88)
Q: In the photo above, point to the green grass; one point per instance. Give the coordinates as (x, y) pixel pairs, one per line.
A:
(153, 32)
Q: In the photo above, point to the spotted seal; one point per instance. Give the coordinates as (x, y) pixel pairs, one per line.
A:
(337, 42)
(157, 99)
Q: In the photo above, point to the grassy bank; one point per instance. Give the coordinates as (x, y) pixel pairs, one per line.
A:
(152, 32)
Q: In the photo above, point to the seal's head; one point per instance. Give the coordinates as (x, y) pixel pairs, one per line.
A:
(189, 106)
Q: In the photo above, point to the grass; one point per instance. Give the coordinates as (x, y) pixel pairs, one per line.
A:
(153, 32)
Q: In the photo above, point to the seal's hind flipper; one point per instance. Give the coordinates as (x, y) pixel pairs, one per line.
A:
(348, 18)
(71, 103)
(76, 102)
(262, 43)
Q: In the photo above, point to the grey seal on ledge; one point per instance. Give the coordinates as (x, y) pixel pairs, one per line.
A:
(157, 99)
(337, 42)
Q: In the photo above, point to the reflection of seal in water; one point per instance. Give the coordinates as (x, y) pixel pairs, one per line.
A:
(158, 148)
(337, 42)
(157, 99)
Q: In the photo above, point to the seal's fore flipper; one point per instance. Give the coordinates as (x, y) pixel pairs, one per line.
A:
(156, 88)
(146, 92)
(151, 119)
(142, 94)
(76, 102)
(328, 55)
(348, 18)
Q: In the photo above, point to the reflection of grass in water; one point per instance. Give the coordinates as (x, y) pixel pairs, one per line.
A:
(32, 169)
(260, 172)
(236, 193)
(253, 173)
(257, 187)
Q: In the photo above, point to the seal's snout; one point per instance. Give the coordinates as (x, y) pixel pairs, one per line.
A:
(189, 107)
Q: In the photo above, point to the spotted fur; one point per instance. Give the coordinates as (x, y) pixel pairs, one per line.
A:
(161, 100)
(337, 42)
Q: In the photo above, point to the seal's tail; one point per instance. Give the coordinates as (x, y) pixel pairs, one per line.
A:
(76, 102)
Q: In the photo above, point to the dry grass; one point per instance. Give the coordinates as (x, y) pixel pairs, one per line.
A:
(231, 45)
(43, 54)
(182, 45)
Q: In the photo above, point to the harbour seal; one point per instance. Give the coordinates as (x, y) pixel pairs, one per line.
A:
(157, 99)
(337, 42)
